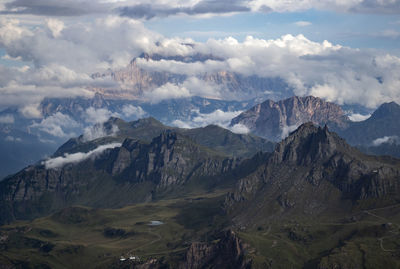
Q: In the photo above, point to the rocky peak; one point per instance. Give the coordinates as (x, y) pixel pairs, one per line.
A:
(383, 123)
(274, 120)
(308, 144)
(391, 109)
(112, 122)
(166, 138)
(144, 122)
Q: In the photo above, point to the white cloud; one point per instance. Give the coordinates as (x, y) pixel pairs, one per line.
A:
(131, 111)
(59, 162)
(10, 32)
(358, 117)
(61, 66)
(357, 6)
(239, 129)
(178, 67)
(167, 91)
(386, 139)
(93, 115)
(7, 119)
(55, 26)
(62, 56)
(217, 117)
(199, 87)
(286, 130)
(31, 111)
(303, 23)
(83, 46)
(182, 124)
(99, 130)
(28, 97)
(146, 9)
(56, 125)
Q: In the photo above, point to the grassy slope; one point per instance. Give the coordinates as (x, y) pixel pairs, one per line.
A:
(58, 240)
(79, 232)
(352, 241)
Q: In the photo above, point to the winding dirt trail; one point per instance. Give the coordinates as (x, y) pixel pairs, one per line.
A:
(395, 232)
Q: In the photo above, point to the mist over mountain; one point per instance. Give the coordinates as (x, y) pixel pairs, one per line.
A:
(275, 120)
(153, 85)
(378, 134)
(67, 117)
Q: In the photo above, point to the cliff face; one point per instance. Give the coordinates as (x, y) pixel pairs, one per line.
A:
(139, 80)
(170, 159)
(274, 120)
(135, 80)
(228, 252)
(311, 172)
(134, 172)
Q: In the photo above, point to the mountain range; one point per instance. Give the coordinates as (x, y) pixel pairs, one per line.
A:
(378, 134)
(66, 117)
(203, 198)
(145, 158)
(274, 120)
(135, 96)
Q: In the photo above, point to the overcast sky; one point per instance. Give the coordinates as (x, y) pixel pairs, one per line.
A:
(346, 51)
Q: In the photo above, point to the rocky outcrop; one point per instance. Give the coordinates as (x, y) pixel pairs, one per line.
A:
(227, 252)
(170, 159)
(134, 172)
(274, 120)
(313, 171)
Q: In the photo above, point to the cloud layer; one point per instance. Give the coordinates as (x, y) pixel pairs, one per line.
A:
(59, 162)
(146, 9)
(59, 59)
(217, 117)
(386, 139)
(58, 125)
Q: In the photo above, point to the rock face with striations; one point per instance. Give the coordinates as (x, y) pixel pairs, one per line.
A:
(274, 120)
(135, 79)
(227, 253)
(135, 172)
(170, 159)
(311, 172)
